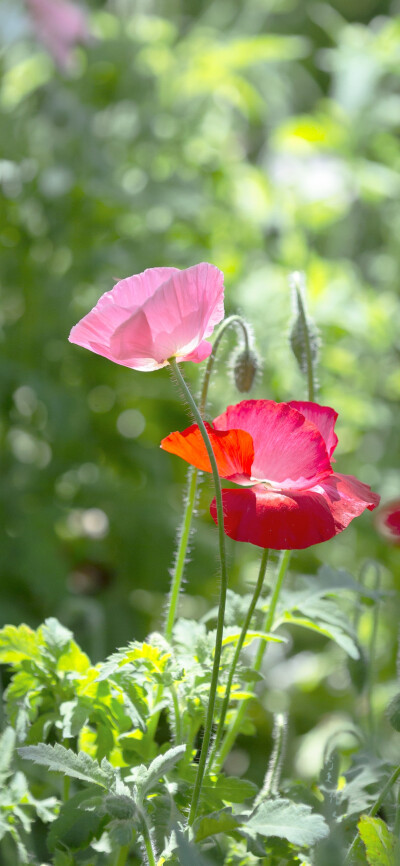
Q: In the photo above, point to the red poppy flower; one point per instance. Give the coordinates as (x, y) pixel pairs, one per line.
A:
(280, 454)
(387, 521)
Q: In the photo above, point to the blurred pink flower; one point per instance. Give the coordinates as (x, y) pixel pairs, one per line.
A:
(156, 315)
(387, 521)
(59, 25)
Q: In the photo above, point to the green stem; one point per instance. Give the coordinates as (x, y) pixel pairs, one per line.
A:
(239, 645)
(372, 648)
(181, 554)
(184, 534)
(374, 809)
(122, 855)
(309, 360)
(66, 786)
(231, 734)
(148, 843)
(178, 731)
(223, 588)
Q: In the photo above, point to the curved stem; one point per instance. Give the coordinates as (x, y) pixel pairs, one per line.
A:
(184, 534)
(231, 734)
(239, 645)
(223, 588)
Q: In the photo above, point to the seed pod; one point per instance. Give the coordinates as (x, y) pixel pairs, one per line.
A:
(245, 365)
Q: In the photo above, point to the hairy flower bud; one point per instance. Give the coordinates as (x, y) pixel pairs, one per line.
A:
(245, 365)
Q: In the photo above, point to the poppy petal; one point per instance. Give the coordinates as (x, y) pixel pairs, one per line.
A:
(233, 450)
(289, 451)
(293, 520)
(324, 419)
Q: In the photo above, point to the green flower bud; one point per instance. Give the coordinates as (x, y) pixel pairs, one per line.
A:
(245, 365)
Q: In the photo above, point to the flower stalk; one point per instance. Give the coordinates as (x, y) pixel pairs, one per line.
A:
(223, 589)
(234, 729)
(184, 533)
(225, 704)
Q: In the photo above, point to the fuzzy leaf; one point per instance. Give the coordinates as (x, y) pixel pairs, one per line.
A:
(230, 788)
(161, 765)
(7, 745)
(189, 855)
(81, 766)
(382, 847)
(54, 635)
(292, 821)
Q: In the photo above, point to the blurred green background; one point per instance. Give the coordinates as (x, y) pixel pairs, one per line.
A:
(261, 136)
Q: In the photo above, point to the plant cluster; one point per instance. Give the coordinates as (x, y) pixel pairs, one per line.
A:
(142, 742)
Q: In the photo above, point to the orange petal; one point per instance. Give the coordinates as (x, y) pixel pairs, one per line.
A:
(233, 449)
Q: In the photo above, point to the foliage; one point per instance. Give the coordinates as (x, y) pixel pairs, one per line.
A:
(261, 137)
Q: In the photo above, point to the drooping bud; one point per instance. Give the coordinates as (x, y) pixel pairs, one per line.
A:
(304, 337)
(245, 365)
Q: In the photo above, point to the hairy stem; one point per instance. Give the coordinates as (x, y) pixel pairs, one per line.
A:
(231, 734)
(239, 645)
(223, 588)
(148, 843)
(184, 533)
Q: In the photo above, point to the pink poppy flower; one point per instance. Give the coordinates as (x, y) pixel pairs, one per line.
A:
(280, 455)
(387, 521)
(59, 25)
(151, 317)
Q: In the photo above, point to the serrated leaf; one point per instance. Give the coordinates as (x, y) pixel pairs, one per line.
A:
(295, 822)
(18, 644)
(81, 766)
(74, 716)
(54, 635)
(161, 765)
(334, 631)
(393, 713)
(382, 847)
(222, 821)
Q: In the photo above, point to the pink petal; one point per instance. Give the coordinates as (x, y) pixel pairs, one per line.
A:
(180, 313)
(153, 316)
(233, 450)
(288, 450)
(293, 520)
(324, 419)
(59, 25)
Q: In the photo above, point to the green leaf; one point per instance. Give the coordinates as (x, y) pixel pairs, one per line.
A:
(19, 644)
(189, 855)
(75, 827)
(7, 745)
(81, 766)
(292, 821)
(325, 617)
(74, 715)
(229, 788)
(216, 822)
(382, 847)
(393, 713)
(250, 636)
(147, 777)
(54, 635)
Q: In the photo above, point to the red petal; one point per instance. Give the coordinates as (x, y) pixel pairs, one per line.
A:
(288, 450)
(324, 419)
(293, 520)
(387, 521)
(233, 450)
